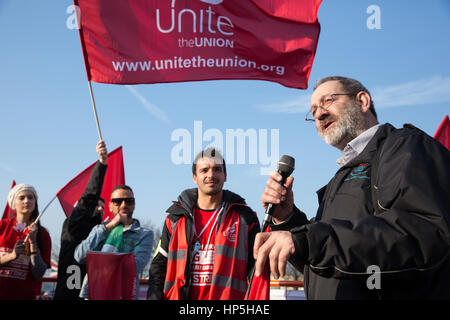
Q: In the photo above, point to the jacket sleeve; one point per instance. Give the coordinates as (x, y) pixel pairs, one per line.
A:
(296, 219)
(89, 199)
(411, 234)
(92, 243)
(158, 267)
(143, 250)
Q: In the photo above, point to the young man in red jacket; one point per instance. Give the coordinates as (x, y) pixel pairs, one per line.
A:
(205, 252)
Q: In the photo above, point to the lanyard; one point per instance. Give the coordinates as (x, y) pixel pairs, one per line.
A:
(197, 243)
(216, 213)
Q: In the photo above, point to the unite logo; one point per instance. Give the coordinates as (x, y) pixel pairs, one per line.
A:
(230, 232)
(198, 26)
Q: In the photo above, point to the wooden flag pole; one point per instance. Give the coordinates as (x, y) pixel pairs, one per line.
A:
(95, 110)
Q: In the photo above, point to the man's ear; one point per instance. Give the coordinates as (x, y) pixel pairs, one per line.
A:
(194, 177)
(363, 99)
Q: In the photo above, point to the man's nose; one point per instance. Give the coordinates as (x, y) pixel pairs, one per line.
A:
(123, 204)
(321, 113)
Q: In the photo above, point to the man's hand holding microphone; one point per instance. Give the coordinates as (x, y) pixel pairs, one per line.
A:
(278, 200)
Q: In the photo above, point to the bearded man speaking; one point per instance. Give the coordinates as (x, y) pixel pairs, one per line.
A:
(382, 227)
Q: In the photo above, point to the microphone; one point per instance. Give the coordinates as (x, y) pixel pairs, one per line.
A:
(286, 166)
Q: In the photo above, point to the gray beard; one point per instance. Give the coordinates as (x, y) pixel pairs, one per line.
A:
(348, 127)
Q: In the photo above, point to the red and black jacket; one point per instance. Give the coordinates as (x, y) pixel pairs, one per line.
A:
(169, 276)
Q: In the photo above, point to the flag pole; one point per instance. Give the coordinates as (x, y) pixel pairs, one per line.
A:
(78, 20)
(95, 110)
(45, 208)
(39, 216)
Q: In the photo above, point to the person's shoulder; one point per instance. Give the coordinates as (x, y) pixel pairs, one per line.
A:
(407, 137)
(5, 222)
(137, 225)
(246, 212)
(410, 143)
(45, 232)
(407, 130)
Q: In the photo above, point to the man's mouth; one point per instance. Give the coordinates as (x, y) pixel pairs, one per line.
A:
(328, 124)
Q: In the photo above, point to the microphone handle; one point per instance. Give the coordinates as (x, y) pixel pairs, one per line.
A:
(270, 208)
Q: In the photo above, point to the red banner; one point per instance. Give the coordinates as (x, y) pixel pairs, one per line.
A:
(9, 212)
(111, 276)
(443, 133)
(141, 41)
(115, 175)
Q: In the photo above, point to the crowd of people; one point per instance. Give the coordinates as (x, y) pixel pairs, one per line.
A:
(387, 206)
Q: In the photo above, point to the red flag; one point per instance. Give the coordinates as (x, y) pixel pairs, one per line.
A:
(259, 288)
(9, 213)
(111, 276)
(135, 41)
(115, 175)
(443, 133)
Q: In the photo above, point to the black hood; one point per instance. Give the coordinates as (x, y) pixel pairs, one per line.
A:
(188, 199)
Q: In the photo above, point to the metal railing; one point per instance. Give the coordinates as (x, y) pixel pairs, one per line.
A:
(273, 283)
(285, 284)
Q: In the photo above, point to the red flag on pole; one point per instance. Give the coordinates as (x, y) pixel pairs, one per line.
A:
(9, 212)
(111, 276)
(135, 41)
(115, 175)
(260, 286)
(443, 132)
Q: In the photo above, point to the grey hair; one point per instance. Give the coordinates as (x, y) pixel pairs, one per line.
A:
(351, 85)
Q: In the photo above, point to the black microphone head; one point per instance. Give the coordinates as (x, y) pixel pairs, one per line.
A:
(286, 165)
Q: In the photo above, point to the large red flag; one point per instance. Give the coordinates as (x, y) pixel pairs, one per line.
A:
(141, 41)
(8, 212)
(111, 276)
(443, 133)
(115, 175)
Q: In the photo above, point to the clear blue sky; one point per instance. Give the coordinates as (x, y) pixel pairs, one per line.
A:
(48, 132)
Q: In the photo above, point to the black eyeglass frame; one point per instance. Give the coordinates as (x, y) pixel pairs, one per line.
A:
(333, 99)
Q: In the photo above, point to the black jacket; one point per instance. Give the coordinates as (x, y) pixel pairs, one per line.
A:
(407, 237)
(184, 207)
(75, 229)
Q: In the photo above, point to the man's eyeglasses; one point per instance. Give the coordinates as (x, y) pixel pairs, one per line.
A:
(325, 105)
(118, 201)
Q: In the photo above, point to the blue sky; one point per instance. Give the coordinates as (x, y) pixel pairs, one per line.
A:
(48, 132)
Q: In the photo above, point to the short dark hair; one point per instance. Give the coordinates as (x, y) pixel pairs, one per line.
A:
(212, 153)
(351, 85)
(123, 187)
